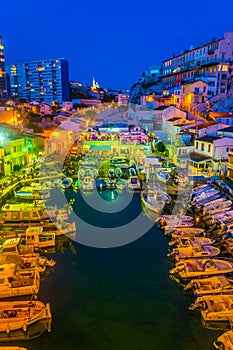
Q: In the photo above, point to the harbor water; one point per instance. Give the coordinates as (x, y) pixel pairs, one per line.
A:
(117, 298)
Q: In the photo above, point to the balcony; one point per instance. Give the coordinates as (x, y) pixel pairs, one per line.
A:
(211, 51)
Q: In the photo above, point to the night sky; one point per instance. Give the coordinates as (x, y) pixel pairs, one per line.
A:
(112, 41)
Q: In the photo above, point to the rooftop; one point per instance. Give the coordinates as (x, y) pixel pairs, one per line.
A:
(208, 138)
(193, 49)
(161, 108)
(203, 126)
(229, 129)
(174, 119)
(197, 157)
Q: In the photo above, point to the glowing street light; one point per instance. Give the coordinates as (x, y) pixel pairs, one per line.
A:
(2, 138)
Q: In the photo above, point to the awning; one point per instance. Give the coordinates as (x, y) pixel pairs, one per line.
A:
(100, 148)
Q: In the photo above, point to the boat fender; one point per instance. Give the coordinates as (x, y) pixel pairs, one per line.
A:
(203, 305)
(24, 327)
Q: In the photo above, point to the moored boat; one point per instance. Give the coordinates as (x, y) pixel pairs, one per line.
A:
(187, 231)
(151, 203)
(194, 268)
(77, 184)
(66, 182)
(177, 217)
(36, 236)
(100, 184)
(16, 318)
(224, 341)
(16, 282)
(110, 184)
(194, 252)
(88, 183)
(134, 183)
(216, 310)
(184, 241)
(211, 285)
(159, 195)
(163, 176)
(33, 192)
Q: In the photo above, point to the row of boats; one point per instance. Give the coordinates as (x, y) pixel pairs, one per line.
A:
(89, 184)
(27, 232)
(199, 264)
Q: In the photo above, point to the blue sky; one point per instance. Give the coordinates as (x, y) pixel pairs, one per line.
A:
(114, 41)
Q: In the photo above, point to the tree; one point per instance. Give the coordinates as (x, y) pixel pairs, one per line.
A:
(160, 147)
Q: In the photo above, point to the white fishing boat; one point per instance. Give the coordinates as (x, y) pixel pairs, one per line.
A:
(187, 231)
(194, 252)
(38, 237)
(16, 318)
(223, 207)
(213, 204)
(88, 183)
(24, 212)
(32, 192)
(14, 251)
(211, 285)
(158, 195)
(200, 189)
(171, 225)
(204, 196)
(151, 202)
(219, 205)
(224, 341)
(224, 216)
(195, 268)
(16, 282)
(134, 183)
(186, 241)
(216, 310)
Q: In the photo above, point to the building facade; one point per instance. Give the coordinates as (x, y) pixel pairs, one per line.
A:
(210, 62)
(41, 81)
(2, 71)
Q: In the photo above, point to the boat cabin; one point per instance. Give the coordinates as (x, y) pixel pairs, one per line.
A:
(36, 236)
(23, 212)
(16, 246)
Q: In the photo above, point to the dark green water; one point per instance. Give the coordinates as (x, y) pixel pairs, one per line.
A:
(119, 298)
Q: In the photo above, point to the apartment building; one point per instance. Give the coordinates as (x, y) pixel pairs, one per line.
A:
(2, 71)
(41, 81)
(210, 62)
